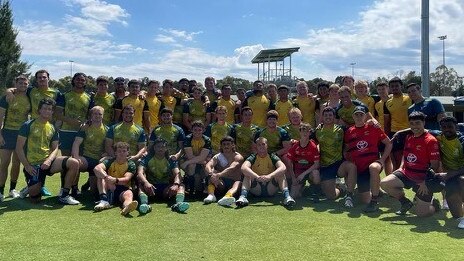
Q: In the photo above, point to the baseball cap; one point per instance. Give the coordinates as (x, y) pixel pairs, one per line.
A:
(360, 109)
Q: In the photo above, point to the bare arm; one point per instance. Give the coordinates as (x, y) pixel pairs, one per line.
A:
(247, 171)
(21, 141)
(75, 147)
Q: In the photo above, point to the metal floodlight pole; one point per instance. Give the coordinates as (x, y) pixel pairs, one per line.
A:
(352, 69)
(72, 62)
(425, 66)
(443, 38)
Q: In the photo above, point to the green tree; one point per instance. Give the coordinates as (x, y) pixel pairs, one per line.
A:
(235, 83)
(411, 77)
(373, 84)
(10, 50)
(444, 81)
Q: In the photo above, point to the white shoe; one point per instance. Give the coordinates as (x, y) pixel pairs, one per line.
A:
(24, 192)
(289, 202)
(103, 204)
(129, 208)
(226, 201)
(68, 200)
(14, 193)
(444, 206)
(461, 222)
(209, 199)
(1, 197)
(241, 202)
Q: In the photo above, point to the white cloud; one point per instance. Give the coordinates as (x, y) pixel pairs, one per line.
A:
(385, 39)
(181, 35)
(164, 39)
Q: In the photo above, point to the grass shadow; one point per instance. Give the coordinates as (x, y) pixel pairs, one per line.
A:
(48, 203)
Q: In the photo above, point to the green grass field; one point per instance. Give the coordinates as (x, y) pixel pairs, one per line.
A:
(263, 231)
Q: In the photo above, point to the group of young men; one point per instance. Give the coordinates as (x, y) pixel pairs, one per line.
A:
(169, 142)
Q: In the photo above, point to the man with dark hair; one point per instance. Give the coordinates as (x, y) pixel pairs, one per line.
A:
(431, 107)
(421, 152)
(452, 154)
(37, 149)
(346, 108)
(226, 101)
(170, 132)
(241, 132)
(259, 103)
(141, 113)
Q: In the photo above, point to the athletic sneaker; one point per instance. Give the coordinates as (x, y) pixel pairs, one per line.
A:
(404, 208)
(373, 206)
(461, 222)
(68, 200)
(226, 201)
(144, 208)
(14, 193)
(445, 205)
(436, 204)
(180, 207)
(85, 186)
(44, 191)
(209, 199)
(129, 208)
(102, 204)
(349, 202)
(24, 192)
(315, 198)
(289, 202)
(1, 197)
(241, 202)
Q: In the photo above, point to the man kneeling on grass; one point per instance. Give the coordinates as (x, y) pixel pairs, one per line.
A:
(159, 176)
(264, 175)
(223, 172)
(115, 175)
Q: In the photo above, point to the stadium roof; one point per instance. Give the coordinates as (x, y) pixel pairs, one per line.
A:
(274, 55)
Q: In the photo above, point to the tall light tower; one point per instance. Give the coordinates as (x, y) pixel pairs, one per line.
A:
(352, 68)
(443, 38)
(72, 62)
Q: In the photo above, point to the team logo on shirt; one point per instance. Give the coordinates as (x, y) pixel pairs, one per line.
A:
(411, 157)
(362, 144)
(418, 147)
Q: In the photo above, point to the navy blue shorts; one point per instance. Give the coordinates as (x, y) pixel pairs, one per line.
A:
(10, 137)
(67, 139)
(364, 181)
(120, 189)
(91, 164)
(408, 184)
(330, 172)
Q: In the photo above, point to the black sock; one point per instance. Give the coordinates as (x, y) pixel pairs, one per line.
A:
(103, 196)
(63, 176)
(2, 189)
(349, 194)
(64, 192)
(12, 185)
(403, 200)
(74, 188)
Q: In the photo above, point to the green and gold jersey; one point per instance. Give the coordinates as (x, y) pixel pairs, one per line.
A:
(216, 132)
(260, 105)
(283, 108)
(130, 133)
(263, 165)
(230, 106)
(117, 170)
(158, 170)
(451, 152)
(172, 134)
(16, 112)
(93, 145)
(346, 113)
(39, 137)
(107, 103)
(139, 105)
(307, 106)
(275, 138)
(195, 110)
(397, 108)
(197, 144)
(75, 105)
(154, 106)
(243, 137)
(174, 104)
(293, 131)
(330, 144)
(36, 95)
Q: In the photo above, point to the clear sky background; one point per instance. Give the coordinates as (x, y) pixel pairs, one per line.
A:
(197, 38)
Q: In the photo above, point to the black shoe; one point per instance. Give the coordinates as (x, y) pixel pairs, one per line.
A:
(436, 204)
(404, 208)
(373, 206)
(315, 198)
(85, 186)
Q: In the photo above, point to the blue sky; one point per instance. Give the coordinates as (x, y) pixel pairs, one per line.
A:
(194, 39)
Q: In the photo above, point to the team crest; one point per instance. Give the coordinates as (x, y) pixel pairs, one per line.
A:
(411, 158)
(361, 145)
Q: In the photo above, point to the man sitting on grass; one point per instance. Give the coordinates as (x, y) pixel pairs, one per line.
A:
(159, 176)
(264, 175)
(223, 171)
(115, 175)
(37, 149)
